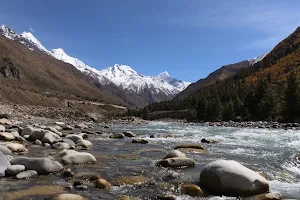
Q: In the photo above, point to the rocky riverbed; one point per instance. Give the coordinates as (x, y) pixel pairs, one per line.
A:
(145, 160)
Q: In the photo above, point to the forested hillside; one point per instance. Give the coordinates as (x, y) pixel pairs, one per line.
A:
(268, 90)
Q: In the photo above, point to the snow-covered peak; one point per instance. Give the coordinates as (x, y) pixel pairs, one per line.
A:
(35, 42)
(8, 32)
(60, 54)
(118, 71)
(163, 76)
(258, 58)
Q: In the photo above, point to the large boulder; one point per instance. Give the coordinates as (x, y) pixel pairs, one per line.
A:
(174, 154)
(4, 164)
(74, 157)
(230, 178)
(2, 128)
(6, 136)
(41, 165)
(176, 162)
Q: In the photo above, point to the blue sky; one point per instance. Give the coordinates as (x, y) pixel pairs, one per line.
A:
(187, 38)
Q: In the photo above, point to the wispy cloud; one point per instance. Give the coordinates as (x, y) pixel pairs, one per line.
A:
(271, 20)
(31, 29)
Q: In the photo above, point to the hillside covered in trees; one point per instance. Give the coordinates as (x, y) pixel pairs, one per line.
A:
(268, 90)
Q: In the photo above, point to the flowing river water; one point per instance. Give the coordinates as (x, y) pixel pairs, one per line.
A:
(271, 152)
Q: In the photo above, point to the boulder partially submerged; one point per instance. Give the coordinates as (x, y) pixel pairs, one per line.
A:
(230, 178)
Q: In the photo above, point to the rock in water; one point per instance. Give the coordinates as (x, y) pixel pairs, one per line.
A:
(190, 146)
(230, 178)
(139, 141)
(68, 197)
(74, 157)
(266, 196)
(15, 169)
(117, 136)
(41, 165)
(174, 154)
(129, 134)
(27, 174)
(176, 162)
(191, 190)
(4, 164)
(102, 184)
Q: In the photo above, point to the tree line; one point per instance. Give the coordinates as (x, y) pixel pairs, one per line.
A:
(235, 99)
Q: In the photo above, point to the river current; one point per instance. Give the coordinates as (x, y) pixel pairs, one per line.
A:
(270, 152)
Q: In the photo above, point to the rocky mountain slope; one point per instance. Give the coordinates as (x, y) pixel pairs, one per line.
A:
(29, 75)
(220, 74)
(133, 88)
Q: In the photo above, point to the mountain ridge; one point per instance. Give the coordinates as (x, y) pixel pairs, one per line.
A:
(161, 87)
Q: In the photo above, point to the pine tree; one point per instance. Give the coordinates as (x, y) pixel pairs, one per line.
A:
(291, 98)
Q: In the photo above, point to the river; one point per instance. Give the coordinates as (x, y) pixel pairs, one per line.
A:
(271, 152)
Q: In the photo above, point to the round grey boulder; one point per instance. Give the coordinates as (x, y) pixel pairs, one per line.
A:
(175, 154)
(176, 162)
(27, 174)
(4, 164)
(41, 165)
(14, 170)
(230, 178)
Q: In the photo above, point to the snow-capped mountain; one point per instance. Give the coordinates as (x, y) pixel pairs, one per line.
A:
(258, 58)
(122, 76)
(128, 79)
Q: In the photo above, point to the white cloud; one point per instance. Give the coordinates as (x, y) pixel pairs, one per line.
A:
(31, 29)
